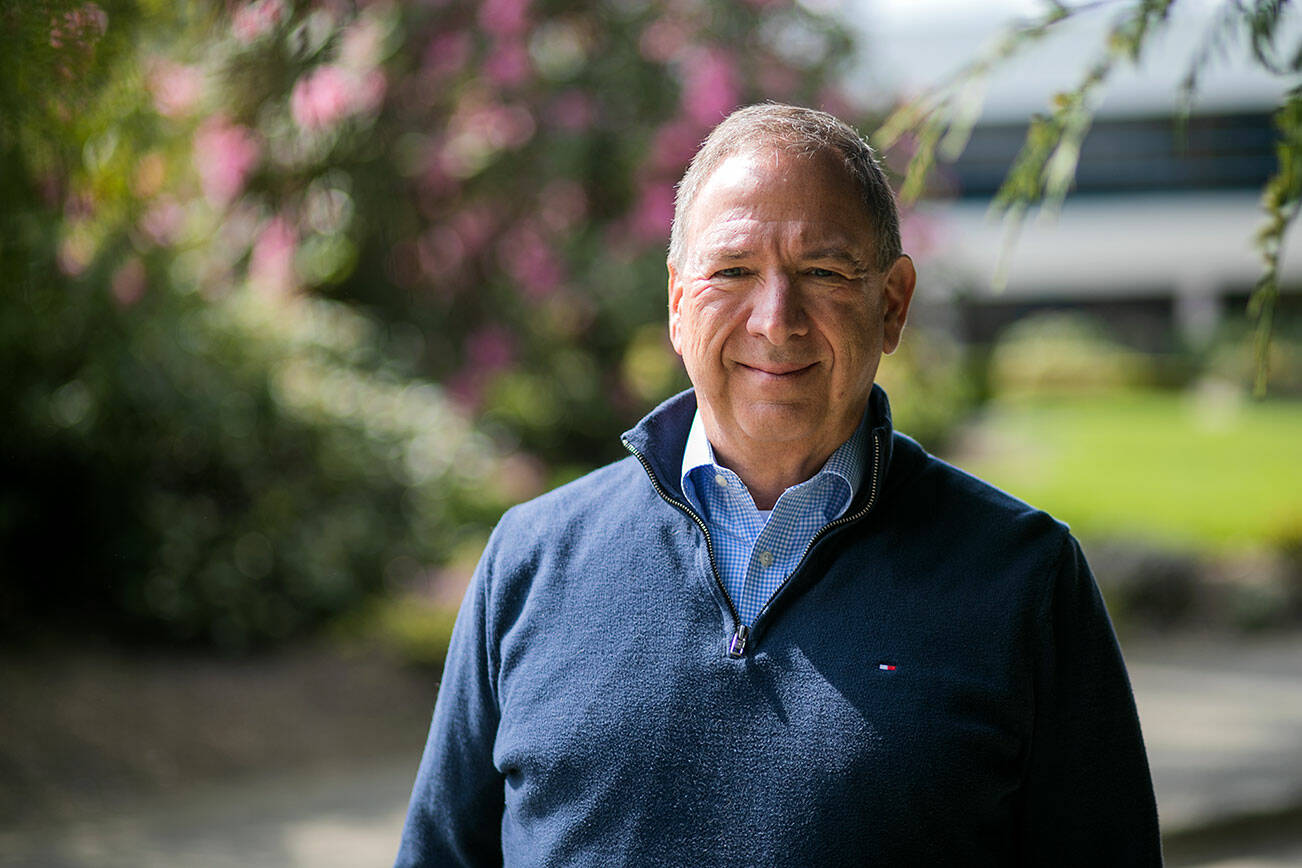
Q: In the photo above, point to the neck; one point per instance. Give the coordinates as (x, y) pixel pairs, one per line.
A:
(772, 471)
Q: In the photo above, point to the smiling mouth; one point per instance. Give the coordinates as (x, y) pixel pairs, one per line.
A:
(778, 371)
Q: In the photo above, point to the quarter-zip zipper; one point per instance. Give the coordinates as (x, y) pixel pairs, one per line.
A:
(845, 519)
(740, 632)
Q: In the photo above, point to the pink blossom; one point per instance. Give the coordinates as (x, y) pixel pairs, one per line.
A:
(78, 205)
(466, 387)
(574, 110)
(446, 53)
(329, 93)
(321, 97)
(176, 88)
(162, 222)
(477, 130)
(50, 186)
(89, 18)
(82, 26)
(437, 181)
(224, 154)
(653, 212)
(507, 64)
(662, 40)
(369, 91)
(920, 235)
(128, 285)
(563, 204)
(74, 254)
(502, 126)
(475, 228)
(491, 348)
(504, 17)
(488, 351)
(271, 264)
(256, 19)
(440, 253)
(530, 262)
(833, 101)
(710, 88)
(437, 255)
(674, 144)
(518, 476)
(777, 80)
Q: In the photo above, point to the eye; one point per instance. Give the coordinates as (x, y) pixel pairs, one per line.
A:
(822, 273)
(735, 271)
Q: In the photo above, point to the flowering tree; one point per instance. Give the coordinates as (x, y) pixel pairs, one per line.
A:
(238, 233)
(498, 176)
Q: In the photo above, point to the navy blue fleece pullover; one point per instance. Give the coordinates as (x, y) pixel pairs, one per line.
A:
(937, 684)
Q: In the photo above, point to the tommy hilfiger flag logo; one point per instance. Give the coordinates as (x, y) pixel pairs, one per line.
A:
(886, 667)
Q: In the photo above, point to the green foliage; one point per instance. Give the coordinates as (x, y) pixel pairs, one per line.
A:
(187, 453)
(1281, 199)
(230, 470)
(1043, 171)
(1063, 354)
(408, 627)
(929, 381)
(268, 260)
(1232, 359)
(497, 176)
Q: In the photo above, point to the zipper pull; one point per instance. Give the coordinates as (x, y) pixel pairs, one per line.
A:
(737, 647)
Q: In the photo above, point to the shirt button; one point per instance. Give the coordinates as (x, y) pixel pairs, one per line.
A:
(766, 559)
(721, 480)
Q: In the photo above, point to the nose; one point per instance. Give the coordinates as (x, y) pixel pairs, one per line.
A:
(777, 313)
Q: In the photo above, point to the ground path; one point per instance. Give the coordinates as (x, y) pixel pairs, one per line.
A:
(1222, 718)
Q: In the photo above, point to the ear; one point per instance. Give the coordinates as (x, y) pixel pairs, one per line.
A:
(675, 299)
(897, 292)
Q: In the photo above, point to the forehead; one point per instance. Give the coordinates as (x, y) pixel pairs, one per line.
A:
(769, 192)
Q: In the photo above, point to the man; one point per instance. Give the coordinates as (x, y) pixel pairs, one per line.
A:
(780, 633)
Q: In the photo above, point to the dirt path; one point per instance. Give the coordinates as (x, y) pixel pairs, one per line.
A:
(87, 731)
(320, 750)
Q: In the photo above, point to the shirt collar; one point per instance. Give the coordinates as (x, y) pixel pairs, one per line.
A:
(699, 452)
(846, 461)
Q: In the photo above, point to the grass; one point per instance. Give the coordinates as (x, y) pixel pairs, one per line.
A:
(1205, 472)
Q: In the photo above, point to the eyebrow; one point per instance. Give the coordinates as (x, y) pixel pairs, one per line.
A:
(725, 254)
(837, 254)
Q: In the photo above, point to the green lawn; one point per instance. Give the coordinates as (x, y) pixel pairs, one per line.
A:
(1205, 473)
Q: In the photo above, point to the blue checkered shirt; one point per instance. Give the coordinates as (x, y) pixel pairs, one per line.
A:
(756, 550)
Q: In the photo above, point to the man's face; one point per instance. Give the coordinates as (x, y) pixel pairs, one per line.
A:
(778, 309)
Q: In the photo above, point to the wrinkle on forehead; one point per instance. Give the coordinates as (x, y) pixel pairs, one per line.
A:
(763, 210)
(736, 237)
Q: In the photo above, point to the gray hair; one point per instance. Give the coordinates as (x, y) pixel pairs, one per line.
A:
(800, 131)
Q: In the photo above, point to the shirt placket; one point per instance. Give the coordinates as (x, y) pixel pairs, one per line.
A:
(748, 525)
(762, 570)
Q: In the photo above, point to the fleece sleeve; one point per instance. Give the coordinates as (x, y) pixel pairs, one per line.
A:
(1088, 797)
(455, 816)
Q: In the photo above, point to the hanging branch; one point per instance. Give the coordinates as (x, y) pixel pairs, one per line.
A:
(1045, 167)
(1281, 199)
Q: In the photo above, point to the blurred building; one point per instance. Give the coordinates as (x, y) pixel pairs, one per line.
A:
(1157, 235)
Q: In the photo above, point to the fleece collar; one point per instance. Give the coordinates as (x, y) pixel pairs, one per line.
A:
(660, 438)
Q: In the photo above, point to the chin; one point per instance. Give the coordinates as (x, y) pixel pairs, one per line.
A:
(780, 423)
